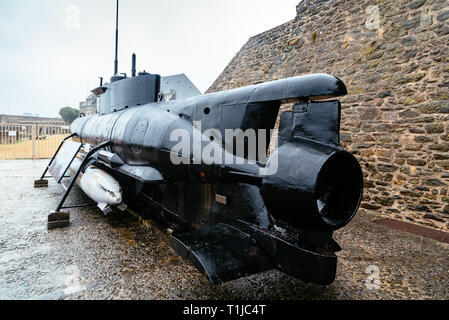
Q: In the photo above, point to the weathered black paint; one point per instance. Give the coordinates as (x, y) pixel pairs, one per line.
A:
(317, 187)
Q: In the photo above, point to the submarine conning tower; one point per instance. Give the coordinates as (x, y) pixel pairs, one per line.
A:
(123, 92)
(126, 92)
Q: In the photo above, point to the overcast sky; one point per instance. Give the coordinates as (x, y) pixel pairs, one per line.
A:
(53, 51)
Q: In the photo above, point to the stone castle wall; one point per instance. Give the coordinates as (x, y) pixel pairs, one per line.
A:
(394, 58)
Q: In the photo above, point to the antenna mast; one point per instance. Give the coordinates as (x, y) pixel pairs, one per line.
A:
(116, 42)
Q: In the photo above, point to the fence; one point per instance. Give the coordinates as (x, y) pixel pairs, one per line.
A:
(30, 141)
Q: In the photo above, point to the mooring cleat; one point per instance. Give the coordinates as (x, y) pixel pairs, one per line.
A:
(57, 220)
(41, 183)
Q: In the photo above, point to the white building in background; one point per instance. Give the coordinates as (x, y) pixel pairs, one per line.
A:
(89, 107)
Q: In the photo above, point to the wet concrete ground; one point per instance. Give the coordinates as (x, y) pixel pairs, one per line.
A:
(117, 258)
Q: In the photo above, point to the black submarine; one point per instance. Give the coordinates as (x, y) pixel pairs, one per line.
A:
(241, 212)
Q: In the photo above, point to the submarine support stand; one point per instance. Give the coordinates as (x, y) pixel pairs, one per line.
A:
(42, 182)
(58, 219)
